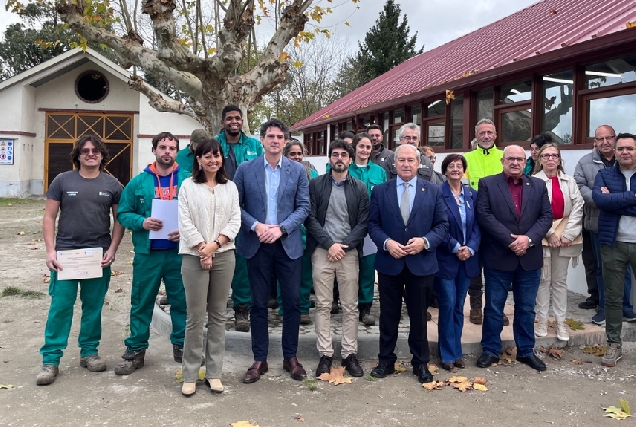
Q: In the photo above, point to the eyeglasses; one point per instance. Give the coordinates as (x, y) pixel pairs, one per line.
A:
(410, 138)
(455, 167)
(621, 149)
(344, 155)
(86, 151)
(550, 156)
(605, 138)
(515, 159)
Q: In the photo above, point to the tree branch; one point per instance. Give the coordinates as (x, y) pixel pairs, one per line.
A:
(158, 102)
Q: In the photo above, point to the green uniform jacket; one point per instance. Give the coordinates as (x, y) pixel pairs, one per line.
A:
(245, 149)
(185, 159)
(481, 165)
(371, 174)
(135, 206)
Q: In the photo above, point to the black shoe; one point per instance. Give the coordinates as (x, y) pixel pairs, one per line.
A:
(352, 366)
(365, 315)
(382, 370)
(241, 318)
(335, 308)
(434, 303)
(324, 366)
(423, 374)
(588, 304)
(485, 360)
(177, 353)
(533, 361)
(272, 303)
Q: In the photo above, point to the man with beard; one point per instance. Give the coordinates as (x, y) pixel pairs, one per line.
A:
(238, 148)
(336, 227)
(483, 161)
(155, 260)
(380, 155)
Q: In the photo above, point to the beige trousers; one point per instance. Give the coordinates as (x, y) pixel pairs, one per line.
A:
(553, 286)
(346, 271)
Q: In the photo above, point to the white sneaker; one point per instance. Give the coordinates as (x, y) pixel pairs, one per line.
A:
(541, 328)
(562, 331)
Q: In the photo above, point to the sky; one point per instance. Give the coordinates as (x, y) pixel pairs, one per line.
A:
(436, 21)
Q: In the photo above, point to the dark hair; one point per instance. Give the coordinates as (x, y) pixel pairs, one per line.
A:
(374, 126)
(97, 142)
(340, 143)
(542, 139)
(453, 158)
(274, 123)
(292, 142)
(205, 147)
(624, 135)
(358, 137)
(164, 135)
(538, 166)
(230, 108)
(346, 134)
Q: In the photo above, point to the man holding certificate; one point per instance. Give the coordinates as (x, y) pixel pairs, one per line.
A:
(81, 254)
(149, 209)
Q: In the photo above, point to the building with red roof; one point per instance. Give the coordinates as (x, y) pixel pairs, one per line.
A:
(558, 66)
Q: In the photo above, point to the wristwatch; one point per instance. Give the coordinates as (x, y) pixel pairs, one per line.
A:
(283, 229)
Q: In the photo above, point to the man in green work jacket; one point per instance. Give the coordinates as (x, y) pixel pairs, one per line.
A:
(185, 156)
(238, 148)
(155, 260)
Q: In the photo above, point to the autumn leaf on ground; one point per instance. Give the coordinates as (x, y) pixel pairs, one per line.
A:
(575, 325)
(480, 380)
(336, 376)
(434, 369)
(299, 418)
(460, 383)
(116, 273)
(46, 278)
(624, 406)
(618, 413)
(399, 367)
(577, 362)
(479, 387)
(435, 385)
(553, 351)
(596, 350)
(119, 290)
(244, 424)
(6, 386)
(509, 355)
(179, 375)
(21, 233)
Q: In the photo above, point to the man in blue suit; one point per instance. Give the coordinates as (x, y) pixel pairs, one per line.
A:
(274, 198)
(514, 214)
(407, 221)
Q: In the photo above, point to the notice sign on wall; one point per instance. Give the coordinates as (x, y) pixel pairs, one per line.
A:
(6, 151)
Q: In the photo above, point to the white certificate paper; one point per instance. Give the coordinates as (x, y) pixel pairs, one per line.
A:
(80, 263)
(168, 212)
(369, 247)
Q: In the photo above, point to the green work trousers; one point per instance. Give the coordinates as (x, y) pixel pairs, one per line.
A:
(148, 271)
(58, 324)
(615, 262)
(240, 284)
(306, 282)
(366, 279)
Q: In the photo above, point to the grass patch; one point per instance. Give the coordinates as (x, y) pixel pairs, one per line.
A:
(369, 377)
(311, 384)
(11, 291)
(8, 202)
(15, 291)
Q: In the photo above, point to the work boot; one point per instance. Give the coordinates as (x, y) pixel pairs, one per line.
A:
(305, 319)
(133, 360)
(365, 315)
(272, 303)
(47, 375)
(475, 316)
(177, 353)
(93, 363)
(241, 318)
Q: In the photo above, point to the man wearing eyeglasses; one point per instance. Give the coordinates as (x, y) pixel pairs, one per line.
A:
(84, 197)
(336, 227)
(410, 134)
(514, 214)
(615, 195)
(601, 157)
(484, 160)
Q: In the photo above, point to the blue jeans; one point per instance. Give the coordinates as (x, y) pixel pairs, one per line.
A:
(451, 295)
(627, 306)
(525, 285)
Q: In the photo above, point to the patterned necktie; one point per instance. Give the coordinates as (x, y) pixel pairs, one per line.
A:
(405, 204)
(230, 162)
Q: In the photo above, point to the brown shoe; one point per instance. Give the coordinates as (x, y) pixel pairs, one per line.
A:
(294, 367)
(476, 316)
(506, 321)
(459, 363)
(255, 371)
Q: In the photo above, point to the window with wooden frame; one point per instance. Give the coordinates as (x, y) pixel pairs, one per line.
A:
(513, 113)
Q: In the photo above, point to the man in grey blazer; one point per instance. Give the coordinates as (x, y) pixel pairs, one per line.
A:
(274, 198)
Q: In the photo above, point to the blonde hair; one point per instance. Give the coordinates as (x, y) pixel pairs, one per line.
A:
(538, 166)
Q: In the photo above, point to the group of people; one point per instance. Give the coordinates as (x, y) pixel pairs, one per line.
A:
(254, 217)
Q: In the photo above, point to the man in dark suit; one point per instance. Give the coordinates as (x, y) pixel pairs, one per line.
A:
(514, 214)
(274, 198)
(407, 221)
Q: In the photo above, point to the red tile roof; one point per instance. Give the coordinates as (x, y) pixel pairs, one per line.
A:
(543, 27)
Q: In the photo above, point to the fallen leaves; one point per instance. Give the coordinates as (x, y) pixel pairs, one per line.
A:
(336, 376)
(179, 375)
(462, 384)
(399, 368)
(553, 351)
(46, 278)
(116, 273)
(435, 385)
(244, 424)
(575, 325)
(433, 369)
(6, 386)
(508, 356)
(618, 413)
(596, 350)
